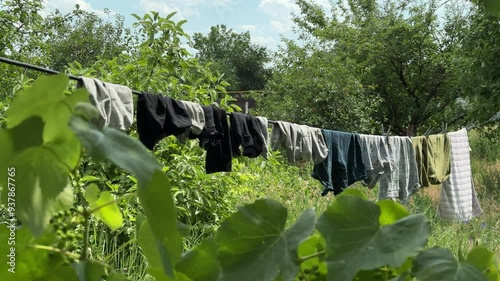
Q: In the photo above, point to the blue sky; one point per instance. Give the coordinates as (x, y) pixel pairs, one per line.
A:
(266, 20)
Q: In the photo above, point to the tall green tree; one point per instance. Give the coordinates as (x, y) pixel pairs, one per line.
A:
(242, 62)
(84, 37)
(397, 55)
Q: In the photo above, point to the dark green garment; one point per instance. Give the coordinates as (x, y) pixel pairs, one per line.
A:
(433, 158)
(344, 165)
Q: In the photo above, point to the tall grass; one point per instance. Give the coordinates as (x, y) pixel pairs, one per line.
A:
(298, 191)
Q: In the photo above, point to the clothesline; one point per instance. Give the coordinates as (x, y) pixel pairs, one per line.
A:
(469, 126)
(399, 165)
(77, 78)
(73, 77)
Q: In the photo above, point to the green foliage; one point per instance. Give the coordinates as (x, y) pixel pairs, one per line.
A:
(232, 54)
(356, 238)
(104, 207)
(439, 264)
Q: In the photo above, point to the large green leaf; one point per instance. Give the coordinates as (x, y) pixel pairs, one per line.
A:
(160, 237)
(485, 260)
(117, 146)
(45, 92)
(32, 264)
(201, 264)
(43, 150)
(254, 245)
(440, 264)
(107, 209)
(41, 179)
(356, 241)
(89, 271)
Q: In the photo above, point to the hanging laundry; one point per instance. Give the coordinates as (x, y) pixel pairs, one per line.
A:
(375, 154)
(245, 132)
(216, 140)
(403, 179)
(458, 198)
(344, 163)
(197, 116)
(301, 143)
(158, 117)
(263, 123)
(113, 101)
(432, 154)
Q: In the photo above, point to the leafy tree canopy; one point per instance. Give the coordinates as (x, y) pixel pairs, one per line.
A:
(233, 54)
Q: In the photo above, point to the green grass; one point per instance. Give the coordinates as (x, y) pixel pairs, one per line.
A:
(297, 191)
(293, 187)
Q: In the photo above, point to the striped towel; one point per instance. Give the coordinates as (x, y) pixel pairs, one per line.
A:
(458, 198)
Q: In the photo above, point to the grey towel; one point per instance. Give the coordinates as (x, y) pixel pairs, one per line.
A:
(302, 143)
(195, 112)
(375, 153)
(265, 135)
(403, 179)
(113, 101)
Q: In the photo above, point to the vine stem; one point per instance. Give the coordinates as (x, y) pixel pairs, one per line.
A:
(57, 250)
(85, 253)
(111, 202)
(304, 258)
(68, 254)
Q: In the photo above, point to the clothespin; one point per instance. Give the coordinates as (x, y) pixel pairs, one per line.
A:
(428, 132)
(382, 129)
(387, 135)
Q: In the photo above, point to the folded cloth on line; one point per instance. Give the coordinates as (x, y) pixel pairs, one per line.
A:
(158, 117)
(402, 181)
(301, 142)
(245, 131)
(195, 112)
(264, 134)
(432, 154)
(375, 153)
(114, 102)
(216, 140)
(343, 165)
(458, 198)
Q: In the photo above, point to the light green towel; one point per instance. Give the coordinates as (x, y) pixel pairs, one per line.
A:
(433, 158)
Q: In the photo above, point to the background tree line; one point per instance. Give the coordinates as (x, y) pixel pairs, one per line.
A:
(411, 65)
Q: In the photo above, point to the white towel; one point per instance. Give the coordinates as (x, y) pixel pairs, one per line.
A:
(114, 102)
(403, 179)
(458, 198)
(195, 112)
(375, 153)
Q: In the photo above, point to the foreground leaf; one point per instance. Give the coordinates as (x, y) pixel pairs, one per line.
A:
(40, 183)
(254, 245)
(485, 260)
(356, 241)
(440, 264)
(32, 264)
(159, 235)
(110, 213)
(117, 146)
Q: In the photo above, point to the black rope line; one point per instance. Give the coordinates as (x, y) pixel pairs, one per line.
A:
(46, 70)
(71, 76)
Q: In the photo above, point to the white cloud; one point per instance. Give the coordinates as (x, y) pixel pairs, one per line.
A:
(280, 12)
(184, 9)
(247, 27)
(187, 8)
(66, 6)
(266, 41)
